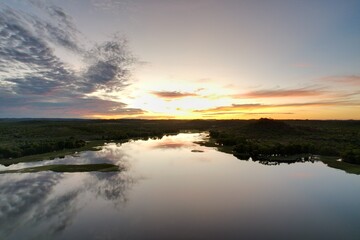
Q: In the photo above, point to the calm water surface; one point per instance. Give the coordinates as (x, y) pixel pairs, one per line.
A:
(169, 191)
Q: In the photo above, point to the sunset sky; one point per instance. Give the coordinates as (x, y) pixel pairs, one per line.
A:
(203, 59)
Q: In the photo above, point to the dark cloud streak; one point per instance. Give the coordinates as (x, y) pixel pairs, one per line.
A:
(172, 94)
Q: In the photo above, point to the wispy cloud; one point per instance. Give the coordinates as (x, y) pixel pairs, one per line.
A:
(112, 4)
(25, 59)
(34, 80)
(352, 80)
(246, 108)
(217, 114)
(279, 93)
(59, 28)
(232, 107)
(173, 94)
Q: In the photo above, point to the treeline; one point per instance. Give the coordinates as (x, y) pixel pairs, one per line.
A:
(265, 138)
(38, 147)
(255, 147)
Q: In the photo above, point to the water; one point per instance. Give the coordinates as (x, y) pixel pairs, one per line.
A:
(169, 191)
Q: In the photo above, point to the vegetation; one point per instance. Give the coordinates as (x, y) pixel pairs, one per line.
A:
(103, 167)
(265, 140)
(43, 146)
(90, 146)
(347, 167)
(31, 140)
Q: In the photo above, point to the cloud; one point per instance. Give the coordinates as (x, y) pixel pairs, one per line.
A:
(112, 4)
(19, 42)
(57, 28)
(40, 106)
(232, 107)
(109, 66)
(26, 61)
(56, 12)
(268, 113)
(318, 104)
(246, 113)
(352, 80)
(108, 63)
(173, 94)
(34, 81)
(134, 5)
(242, 108)
(279, 93)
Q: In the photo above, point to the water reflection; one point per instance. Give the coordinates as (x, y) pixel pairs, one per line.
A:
(45, 204)
(55, 214)
(277, 159)
(170, 144)
(18, 195)
(278, 162)
(168, 191)
(179, 141)
(111, 186)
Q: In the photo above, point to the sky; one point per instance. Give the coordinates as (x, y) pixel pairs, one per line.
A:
(183, 59)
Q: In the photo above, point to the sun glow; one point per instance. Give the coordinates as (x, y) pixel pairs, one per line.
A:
(182, 108)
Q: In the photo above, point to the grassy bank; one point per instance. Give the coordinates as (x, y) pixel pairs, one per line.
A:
(90, 146)
(347, 167)
(104, 167)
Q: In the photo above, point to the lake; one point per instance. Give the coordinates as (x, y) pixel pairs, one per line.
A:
(173, 188)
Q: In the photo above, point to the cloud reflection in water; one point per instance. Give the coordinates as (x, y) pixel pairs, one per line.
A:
(44, 204)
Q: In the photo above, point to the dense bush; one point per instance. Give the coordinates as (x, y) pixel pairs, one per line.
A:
(271, 137)
(37, 147)
(351, 156)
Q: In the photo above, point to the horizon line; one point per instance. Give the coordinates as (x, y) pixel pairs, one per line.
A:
(171, 119)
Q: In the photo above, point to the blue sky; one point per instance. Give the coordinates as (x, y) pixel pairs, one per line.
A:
(180, 59)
